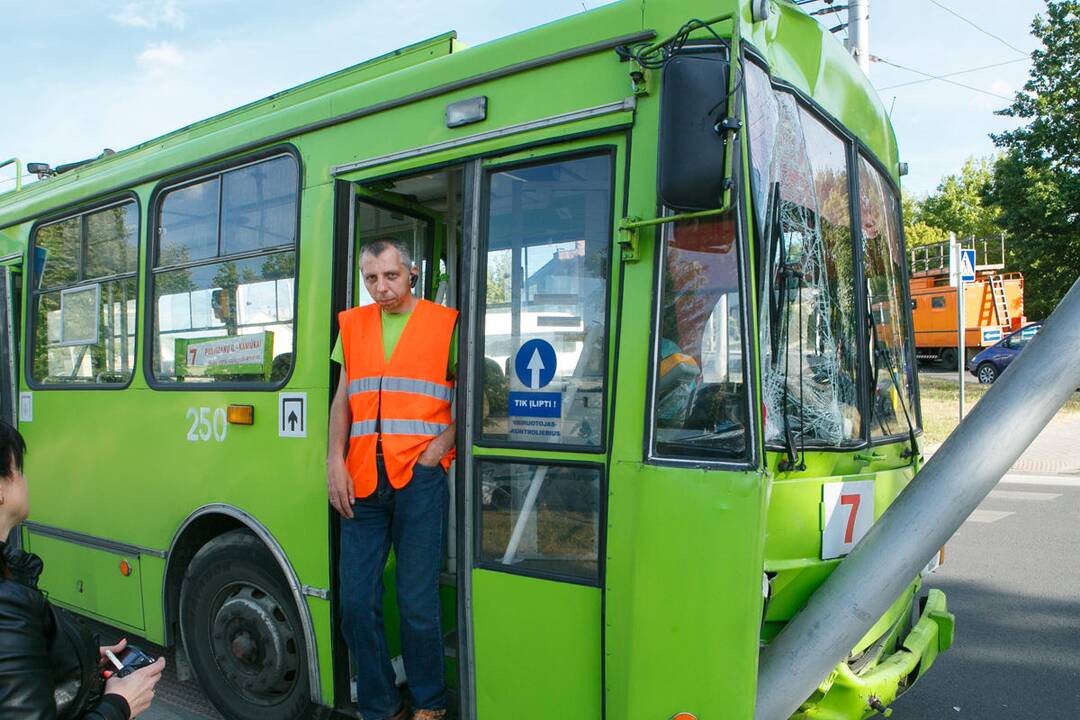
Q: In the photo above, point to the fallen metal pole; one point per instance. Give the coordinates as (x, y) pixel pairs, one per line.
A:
(925, 515)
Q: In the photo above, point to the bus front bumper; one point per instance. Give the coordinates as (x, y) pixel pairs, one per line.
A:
(846, 695)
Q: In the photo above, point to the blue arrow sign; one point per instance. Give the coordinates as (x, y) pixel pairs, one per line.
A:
(967, 265)
(535, 364)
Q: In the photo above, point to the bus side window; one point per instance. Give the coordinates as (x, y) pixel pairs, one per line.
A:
(83, 303)
(225, 275)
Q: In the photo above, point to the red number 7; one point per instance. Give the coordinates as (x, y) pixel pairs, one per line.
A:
(853, 501)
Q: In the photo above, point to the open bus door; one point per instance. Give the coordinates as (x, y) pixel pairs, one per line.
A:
(530, 239)
(423, 213)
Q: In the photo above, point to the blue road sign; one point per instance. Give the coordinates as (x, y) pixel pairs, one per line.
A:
(535, 364)
(967, 265)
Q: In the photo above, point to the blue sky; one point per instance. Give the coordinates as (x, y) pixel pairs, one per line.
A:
(84, 75)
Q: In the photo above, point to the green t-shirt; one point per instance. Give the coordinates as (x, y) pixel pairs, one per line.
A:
(392, 326)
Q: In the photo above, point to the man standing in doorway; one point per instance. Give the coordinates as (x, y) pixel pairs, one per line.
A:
(391, 443)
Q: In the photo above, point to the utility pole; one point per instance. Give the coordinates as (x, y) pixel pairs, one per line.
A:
(858, 42)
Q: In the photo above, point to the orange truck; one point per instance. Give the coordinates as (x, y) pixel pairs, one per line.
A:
(993, 303)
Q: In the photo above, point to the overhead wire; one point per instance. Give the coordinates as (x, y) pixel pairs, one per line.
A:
(952, 74)
(942, 78)
(1000, 39)
(25, 176)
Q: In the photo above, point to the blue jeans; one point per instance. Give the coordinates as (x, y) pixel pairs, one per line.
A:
(413, 520)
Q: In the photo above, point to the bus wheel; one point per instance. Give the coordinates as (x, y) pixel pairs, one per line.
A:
(242, 632)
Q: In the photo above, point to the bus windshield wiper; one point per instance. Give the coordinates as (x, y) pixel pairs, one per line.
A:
(780, 309)
(885, 353)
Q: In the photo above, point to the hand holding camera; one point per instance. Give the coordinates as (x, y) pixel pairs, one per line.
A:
(131, 674)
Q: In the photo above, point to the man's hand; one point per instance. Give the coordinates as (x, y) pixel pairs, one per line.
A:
(338, 483)
(428, 458)
(339, 487)
(438, 447)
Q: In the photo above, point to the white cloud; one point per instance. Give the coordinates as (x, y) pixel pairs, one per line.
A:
(158, 57)
(150, 14)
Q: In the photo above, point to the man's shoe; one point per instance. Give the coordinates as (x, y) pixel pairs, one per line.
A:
(429, 715)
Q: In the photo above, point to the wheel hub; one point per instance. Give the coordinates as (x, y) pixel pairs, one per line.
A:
(254, 644)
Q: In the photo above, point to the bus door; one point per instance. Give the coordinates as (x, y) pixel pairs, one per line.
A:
(423, 212)
(538, 265)
(9, 355)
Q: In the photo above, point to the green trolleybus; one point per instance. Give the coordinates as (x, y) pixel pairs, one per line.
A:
(685, 377)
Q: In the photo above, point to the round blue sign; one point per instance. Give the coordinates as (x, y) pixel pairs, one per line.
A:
(535, 364)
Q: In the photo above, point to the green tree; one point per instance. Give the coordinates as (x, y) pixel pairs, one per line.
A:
(1037, 182)
(959, 204)
(916, 231)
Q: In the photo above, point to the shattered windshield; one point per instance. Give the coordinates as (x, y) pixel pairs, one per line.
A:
(890, 357)
(808, 319)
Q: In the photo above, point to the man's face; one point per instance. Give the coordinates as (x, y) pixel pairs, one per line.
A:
(387, 279)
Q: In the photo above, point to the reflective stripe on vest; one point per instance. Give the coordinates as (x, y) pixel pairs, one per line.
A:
(405, 385)
(397, 427)
(400, 404)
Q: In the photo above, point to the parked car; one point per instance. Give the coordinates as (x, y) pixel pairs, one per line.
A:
(991, 362)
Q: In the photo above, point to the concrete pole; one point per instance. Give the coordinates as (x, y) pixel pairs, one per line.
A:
(859, 33)
(925, 515)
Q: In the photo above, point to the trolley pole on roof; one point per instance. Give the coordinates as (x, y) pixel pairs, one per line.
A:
(859, 33)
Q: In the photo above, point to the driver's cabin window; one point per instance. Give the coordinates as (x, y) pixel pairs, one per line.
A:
(699, 377)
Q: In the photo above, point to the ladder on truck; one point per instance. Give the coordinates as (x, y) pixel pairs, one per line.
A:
(1001, 301)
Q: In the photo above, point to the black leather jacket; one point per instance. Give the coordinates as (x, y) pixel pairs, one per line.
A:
(48, 663)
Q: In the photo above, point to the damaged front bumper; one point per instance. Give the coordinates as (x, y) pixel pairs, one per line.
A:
(848, 694)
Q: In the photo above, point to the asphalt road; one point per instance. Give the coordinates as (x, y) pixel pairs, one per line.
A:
(1012, 577)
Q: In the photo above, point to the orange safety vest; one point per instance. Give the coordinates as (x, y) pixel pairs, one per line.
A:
(403, 402)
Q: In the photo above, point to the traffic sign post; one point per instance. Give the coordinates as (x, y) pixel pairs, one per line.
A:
(961, 272)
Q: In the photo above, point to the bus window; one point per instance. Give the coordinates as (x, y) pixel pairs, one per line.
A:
(890, 359)
(84, 302)
(545, 302)
(809, 331)
(699, 382)
(224, 276)
(561, 535)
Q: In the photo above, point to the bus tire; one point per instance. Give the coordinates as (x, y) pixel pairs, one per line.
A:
(242, 632)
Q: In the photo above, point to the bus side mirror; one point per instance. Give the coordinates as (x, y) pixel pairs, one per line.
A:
(693, 107)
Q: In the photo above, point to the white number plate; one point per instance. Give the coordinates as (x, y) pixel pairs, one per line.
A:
(847, 511)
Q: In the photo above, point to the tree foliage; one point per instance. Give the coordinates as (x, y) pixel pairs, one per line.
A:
(1036, 183)
(959, 205)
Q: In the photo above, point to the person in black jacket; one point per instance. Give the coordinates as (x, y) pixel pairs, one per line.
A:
(50, 667)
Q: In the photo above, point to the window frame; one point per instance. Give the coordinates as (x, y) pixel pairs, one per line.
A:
(747, 297)
(32, 293)
(864, 153)
(478, 563)
(851, 148)
(856, 149)
(490, 169)
(152, 224)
